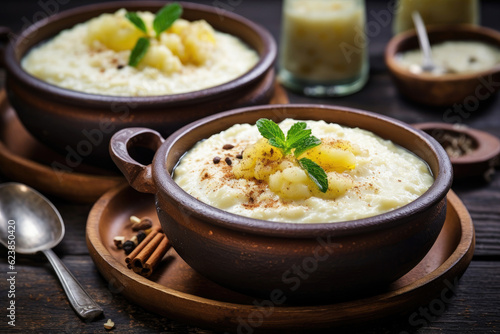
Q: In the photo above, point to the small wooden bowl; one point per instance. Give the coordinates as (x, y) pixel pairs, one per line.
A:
(479, 161)
(79, 125)
(448, 89)
(257, 256)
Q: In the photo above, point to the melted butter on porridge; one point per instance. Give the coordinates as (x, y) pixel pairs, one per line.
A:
(238, 171)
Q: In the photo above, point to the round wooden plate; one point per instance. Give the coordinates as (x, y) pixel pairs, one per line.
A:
(178, 292)
(26, 160)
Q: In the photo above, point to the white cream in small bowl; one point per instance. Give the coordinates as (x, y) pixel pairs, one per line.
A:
(454, 57)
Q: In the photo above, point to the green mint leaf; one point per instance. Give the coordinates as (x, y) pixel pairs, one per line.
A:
(316, 173)
(295, 129)
(277, 143)
(139, 51)
(296, 135)
(306, 144)
(137, 21)
(272, 132)
(166, 17)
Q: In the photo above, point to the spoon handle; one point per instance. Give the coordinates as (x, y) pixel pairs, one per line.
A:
(423, 39)
(79, 299)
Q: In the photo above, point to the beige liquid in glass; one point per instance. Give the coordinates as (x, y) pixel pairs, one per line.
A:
(436, 12)
(323, 41)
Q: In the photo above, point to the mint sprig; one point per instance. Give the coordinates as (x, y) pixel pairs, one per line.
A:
(163, 20)
(139, 51)
(306, 144)
(137, 21)
(298, 139)
(272, 132)
(166, 17)
(315, 173)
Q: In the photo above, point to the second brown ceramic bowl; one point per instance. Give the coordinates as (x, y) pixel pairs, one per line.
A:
(444, 90)
(300, 262)
(80, 125)
(480, 156)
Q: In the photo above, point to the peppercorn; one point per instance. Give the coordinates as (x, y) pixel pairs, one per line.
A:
(128, 247)
(228, 161)
(140, 236)
(216, 160)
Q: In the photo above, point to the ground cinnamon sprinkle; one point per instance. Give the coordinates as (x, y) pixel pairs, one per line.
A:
(256, 189)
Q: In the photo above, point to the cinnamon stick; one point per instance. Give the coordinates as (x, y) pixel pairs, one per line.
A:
(156, 257)
(140, 247)
(141, 258)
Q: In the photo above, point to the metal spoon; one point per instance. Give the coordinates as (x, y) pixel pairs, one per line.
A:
(428, 64)
(32, 224)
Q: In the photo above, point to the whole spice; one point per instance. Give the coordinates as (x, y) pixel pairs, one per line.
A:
(141, 224)
(227, 147)
(149, 257)
(119, 240)
(141, 236)
(145, 249)
(141, 246)
(216, 160)
(156, 257)
(228, 161)
(134, 219)
(109, 324)
(128, 246)
(141, 258)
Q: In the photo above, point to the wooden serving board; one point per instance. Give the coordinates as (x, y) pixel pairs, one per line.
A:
(178, 292)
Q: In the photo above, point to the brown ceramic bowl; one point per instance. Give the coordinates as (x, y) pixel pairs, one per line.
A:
(80, 125)
(474, 153)
(443, 90)
(304, 262)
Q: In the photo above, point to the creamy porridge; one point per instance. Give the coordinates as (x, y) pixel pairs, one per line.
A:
(238, 171)
(93, 57)
(455, 57)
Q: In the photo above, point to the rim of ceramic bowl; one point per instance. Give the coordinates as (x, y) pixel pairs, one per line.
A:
(69, 17)
(394, 44)
(166, 186)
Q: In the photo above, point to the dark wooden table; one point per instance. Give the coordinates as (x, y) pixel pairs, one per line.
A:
(41, 306)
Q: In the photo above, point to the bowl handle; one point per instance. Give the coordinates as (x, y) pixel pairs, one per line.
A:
(139, 176)
(4, 38)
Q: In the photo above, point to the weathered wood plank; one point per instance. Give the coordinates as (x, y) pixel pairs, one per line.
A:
(42, 306)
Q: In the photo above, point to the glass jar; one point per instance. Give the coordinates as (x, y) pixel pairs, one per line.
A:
(323, 49)
(435, 12)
